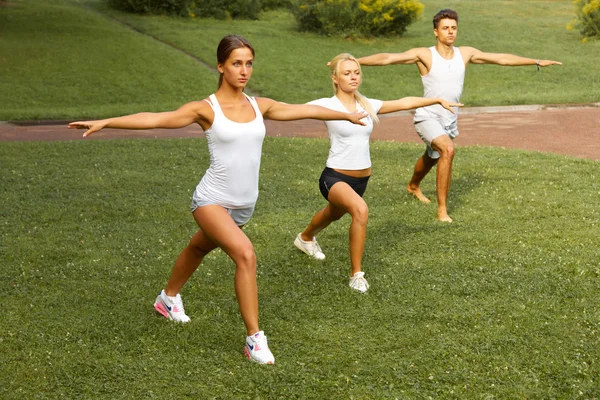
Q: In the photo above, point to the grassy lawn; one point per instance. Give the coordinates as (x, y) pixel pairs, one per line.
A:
(502, 304)
(74, 59)
(60, 60)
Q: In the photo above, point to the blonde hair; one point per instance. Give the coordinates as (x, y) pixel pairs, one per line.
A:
(335, 71)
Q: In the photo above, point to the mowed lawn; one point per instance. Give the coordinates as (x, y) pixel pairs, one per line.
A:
(503, 303)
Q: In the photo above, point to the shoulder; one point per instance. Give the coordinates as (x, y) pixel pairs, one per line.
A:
(423, 51)
(424, 55)
(264, 103)
(376, 104)
(324, 102)
(467, 52)
(199, 107)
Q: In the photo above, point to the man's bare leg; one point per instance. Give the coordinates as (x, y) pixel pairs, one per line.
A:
(422, 168)
(443, 145)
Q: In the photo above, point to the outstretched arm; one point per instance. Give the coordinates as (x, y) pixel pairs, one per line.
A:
(183, 116)
(408, 103)
(411, 56)
(278, 111)
(479, 57)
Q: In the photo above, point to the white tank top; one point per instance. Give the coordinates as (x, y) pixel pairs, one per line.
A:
(445, 80)
(235, 149)
(349, 142)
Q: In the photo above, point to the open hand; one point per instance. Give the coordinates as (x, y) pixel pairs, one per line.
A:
(91, 126)
(448, 106)
(545, 63)
(356, 116)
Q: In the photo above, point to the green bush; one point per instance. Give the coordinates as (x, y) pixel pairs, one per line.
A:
(356, 17)
(228, 9)
(222, 9)
(275, 4)
(173, 7)
(588, 18)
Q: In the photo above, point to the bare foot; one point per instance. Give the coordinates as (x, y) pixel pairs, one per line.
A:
(416, 191)
(443, 216)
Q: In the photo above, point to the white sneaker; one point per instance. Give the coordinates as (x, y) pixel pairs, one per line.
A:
(171, 307)
(311, 248)
(257, 349)
(358, 282)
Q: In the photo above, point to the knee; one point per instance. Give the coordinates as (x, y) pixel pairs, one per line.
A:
(336, 217)
(245, 258)
(333, 215)
(447, 151)
(197, 250)
(360, 213)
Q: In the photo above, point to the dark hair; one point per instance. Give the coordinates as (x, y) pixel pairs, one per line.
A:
(444, 14)
(228, 44)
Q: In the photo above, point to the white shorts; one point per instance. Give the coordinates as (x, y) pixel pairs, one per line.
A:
(430, 129)
(240, 216)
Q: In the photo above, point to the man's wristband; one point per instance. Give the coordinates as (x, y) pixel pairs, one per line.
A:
(538, 65)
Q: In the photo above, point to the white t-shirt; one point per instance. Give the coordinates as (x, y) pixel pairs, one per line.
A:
(445, 80)
(235, 150)
(349, 142)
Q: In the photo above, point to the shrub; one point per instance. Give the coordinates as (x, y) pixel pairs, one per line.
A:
(222, 9)
(174, 7)
(588, 18)
(228, 9)
(356, 17)
(274, 4)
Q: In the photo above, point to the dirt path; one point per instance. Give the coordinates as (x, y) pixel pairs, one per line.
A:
(573, 131)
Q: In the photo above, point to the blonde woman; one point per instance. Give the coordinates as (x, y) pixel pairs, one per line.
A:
(348, 168)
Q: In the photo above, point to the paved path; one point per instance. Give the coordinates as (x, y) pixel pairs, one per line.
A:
(569, 130)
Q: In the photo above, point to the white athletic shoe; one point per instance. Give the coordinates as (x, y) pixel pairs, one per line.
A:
(311, 248)
(358, 282)
(171, 307)
(257, 349)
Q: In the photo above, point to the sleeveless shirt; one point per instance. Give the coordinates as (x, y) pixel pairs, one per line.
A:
(349, 142)
(444, 80)
(235, 150)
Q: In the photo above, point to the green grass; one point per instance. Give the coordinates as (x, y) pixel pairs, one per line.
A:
(501, 304)
(72, 59)
(59, 60)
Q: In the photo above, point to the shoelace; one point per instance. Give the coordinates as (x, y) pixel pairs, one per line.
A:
(316, 247)
(360, 281)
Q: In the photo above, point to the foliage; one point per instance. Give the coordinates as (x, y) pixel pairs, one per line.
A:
(173, 7)
(222, 9)
(275, 4)
(228, 9)
(356, 17)
(588, 18)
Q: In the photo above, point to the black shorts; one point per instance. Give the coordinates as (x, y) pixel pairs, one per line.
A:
(329, 177)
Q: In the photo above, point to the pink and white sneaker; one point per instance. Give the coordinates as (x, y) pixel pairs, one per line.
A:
(171, 307)
(257, 349)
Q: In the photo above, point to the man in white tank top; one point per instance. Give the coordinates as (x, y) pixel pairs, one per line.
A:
(442, 69)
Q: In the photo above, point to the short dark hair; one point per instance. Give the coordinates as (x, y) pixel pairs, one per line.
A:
(444, 14)
(227, 45)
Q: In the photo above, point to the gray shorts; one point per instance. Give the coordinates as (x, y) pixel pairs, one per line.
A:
(430, 129)
(240, 216)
